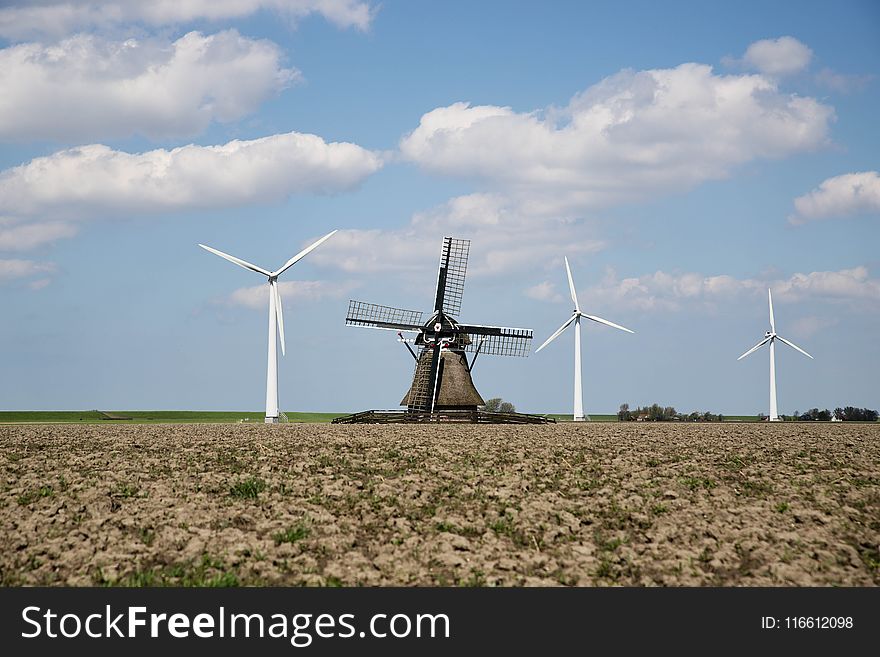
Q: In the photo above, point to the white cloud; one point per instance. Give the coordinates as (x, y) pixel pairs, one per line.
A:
(843, 83)
(841, 196)
(23, 237)
(15, 269)
(669, 291)
(544, 291)
(61, 17)
(663, 290)
(630, 136)
(783, 56)
(807, 327)
(86, 88)
(847, 284)
(291, 291)
(95, 181)
(504, 239)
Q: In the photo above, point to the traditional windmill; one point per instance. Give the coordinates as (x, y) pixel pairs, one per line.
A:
(442, 387)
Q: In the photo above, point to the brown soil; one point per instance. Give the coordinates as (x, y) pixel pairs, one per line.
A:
(591, 504)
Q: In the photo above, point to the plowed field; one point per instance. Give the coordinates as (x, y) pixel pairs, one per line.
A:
(588, 504)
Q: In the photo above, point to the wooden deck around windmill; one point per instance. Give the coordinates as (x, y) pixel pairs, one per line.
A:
(465, 416)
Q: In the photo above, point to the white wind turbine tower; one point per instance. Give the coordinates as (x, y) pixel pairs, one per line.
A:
(576, 318)
(771, 337)
(276, 315)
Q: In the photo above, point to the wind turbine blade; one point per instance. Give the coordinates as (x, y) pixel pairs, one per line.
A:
(237, 261)
(606, 322)
(772, 319)
(558, 331)
(302, 254)
(574, 297)
(755, 348)
(279, 313)
(793, 346)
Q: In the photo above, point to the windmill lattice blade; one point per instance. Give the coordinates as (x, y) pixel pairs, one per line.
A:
(498, 340)
(772, 319)
(558, 332)
(574, 297)
(302, 254)
(237, 261)
(373, 315)
(755, 348)
(451, 275)
(793, 346)
(606, 322)
(279, 313)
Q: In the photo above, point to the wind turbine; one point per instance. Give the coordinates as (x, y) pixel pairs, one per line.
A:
(276, 315)
(576, 318)
(771, 337)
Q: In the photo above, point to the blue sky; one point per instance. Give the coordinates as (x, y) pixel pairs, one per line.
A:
(684, 156)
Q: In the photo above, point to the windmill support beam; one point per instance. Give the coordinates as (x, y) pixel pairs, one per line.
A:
(476, 353)
(408, 348)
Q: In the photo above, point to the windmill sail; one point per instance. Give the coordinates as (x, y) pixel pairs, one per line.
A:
(450, 277)
(497, 340)
(373, 315)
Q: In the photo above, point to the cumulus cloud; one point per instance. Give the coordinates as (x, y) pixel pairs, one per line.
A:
(46, 197)
(23, 237)
(783, 56)
(841, 196)
(14, 269)
(504, 239)
(544, 291)
(846, 284)
(672, 290)
(86, 87)
(663, 290)
(631, 135)
(22, 20)
(843, 83)
(292, 292)
(806, 327)
(96, 181)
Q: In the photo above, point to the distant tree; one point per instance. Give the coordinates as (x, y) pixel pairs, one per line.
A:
(493, 405)
(853, 414)
(498, 405)
(657, 413)
(838, 413)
